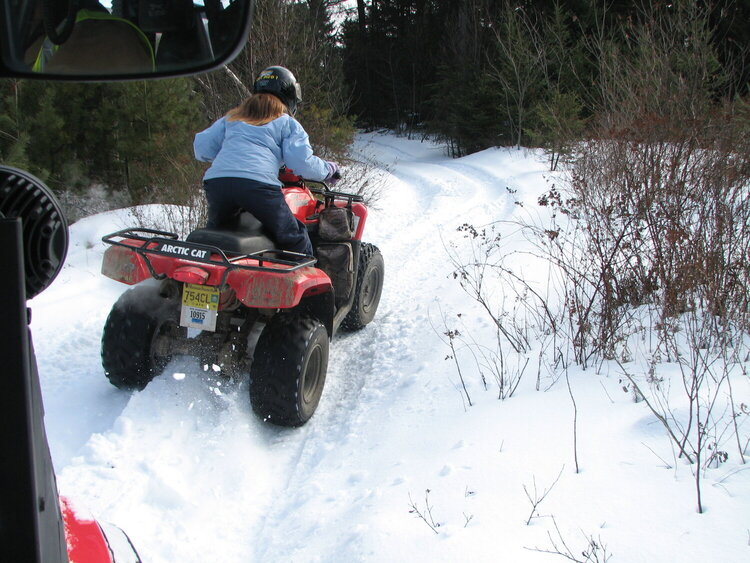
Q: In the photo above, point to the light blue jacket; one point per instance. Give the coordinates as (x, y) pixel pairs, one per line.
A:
(237, 149)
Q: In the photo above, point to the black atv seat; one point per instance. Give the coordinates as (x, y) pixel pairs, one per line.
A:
(246, 236)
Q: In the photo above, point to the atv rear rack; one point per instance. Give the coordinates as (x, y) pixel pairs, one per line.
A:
(163, 243)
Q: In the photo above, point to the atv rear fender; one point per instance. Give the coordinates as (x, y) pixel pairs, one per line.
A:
(272, 279)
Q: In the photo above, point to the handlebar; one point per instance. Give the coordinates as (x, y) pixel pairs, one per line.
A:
(325, 191)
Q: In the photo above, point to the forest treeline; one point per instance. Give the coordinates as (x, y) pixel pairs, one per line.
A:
(480, 73)
(472, 73)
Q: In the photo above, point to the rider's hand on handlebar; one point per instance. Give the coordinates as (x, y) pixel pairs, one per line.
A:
(333, 173)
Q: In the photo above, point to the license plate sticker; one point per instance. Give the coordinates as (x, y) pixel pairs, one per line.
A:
(200, 304)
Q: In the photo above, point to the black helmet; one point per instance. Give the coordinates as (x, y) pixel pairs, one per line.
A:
(280, 82)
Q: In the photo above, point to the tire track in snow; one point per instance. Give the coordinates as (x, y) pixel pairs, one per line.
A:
(368, 367)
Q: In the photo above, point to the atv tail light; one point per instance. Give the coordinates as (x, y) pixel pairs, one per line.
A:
(191, 274)
(123, 265)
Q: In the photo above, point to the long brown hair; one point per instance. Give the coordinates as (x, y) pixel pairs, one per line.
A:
(258, 109)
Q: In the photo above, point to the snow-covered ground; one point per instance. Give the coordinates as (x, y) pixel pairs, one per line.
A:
(187, 470)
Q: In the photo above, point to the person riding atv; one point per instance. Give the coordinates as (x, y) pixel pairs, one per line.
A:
(248, 146)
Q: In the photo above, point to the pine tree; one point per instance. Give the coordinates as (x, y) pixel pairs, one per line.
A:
(13, 138)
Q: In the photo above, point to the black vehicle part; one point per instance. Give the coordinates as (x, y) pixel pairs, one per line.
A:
(32, 228)
(370, 273)
(245, 236)
(134, 342)
(335, 259)
(336, 224)
(45, 230)
(329, 195)
(31, 526)
(289, 369)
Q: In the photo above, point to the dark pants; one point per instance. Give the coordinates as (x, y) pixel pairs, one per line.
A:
(228, 196)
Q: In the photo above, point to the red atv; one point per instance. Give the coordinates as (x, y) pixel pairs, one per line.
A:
(256, 309)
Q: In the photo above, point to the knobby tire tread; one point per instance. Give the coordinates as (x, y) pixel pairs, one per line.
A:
(126, 342)
(354, 319)
(276, 369)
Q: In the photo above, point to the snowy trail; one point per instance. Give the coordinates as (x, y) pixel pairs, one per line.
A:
(387, 362)
(370, 369)
(193, 476)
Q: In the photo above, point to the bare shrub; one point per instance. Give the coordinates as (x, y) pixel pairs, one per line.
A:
(96, 199)
(425, 514)
(701, 416)
(513, 306)
(670, 219)
(657, 202)
(647, 237)
(659, 193)
(364, 176)
(594, 550)
(536, 497)
(184, 207)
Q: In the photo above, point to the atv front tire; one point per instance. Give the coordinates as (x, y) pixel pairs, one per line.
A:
(370, 275)
(133, 343)
(289, 369)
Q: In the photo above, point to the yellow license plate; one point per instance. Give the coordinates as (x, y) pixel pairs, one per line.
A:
(200, 296)
(200, 304)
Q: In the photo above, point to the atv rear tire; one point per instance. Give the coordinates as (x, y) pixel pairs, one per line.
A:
(132, 341)
(289, 369)
(370, 274)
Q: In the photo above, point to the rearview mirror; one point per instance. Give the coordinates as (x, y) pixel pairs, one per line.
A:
(120, 39)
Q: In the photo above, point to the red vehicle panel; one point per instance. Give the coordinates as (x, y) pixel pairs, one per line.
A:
(283, 288)
(302, 203)
(85, 539)
(280, 291)
(305, 206)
